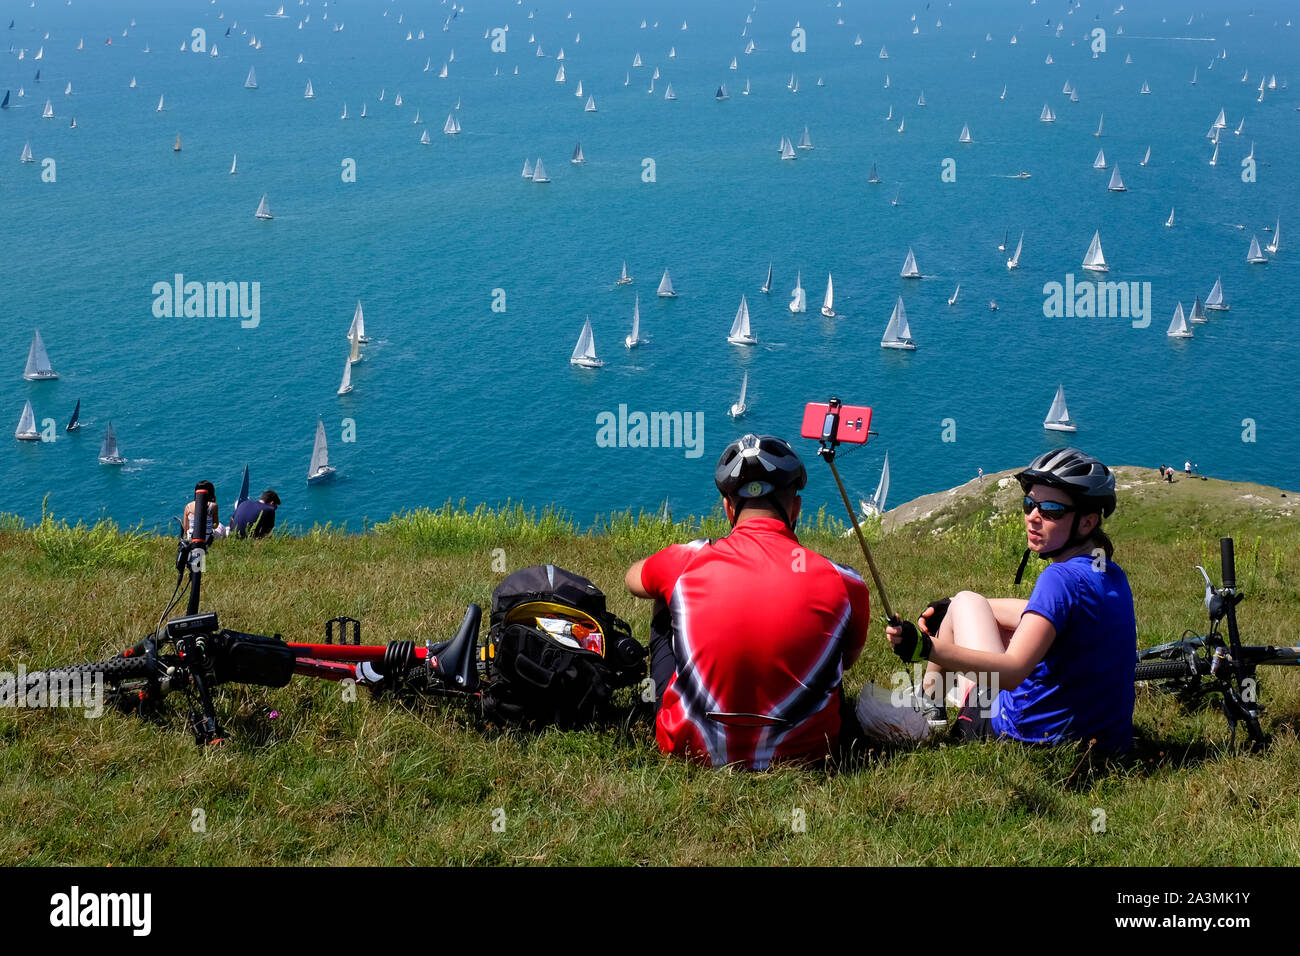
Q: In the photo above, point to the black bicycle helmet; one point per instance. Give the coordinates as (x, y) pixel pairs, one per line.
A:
(755, 466)
(1082, 477)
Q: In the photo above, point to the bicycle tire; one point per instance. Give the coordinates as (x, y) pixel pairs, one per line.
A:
(1162, 670)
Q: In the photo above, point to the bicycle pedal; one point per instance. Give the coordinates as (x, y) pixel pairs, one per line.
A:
(349, 630)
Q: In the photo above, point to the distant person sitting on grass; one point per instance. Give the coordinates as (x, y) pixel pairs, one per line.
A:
(1063, 660)
(214, 526)
(752, 633)
(256, 517)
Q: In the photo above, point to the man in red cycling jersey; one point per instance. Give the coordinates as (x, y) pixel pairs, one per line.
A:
(752, 633)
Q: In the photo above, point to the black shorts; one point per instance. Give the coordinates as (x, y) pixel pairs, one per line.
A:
(973, 720)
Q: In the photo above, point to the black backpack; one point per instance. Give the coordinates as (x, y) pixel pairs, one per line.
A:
(538, 677)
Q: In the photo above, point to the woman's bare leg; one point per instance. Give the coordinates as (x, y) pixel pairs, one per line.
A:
(976, 622)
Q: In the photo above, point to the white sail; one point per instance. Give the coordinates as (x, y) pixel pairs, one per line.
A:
(1046, 115)
(263, 209)
(921, 99)
(38, 362)
(1145, 88)
(952, 299)
(424, 138)
(634, 337)
(449, 127)
(876, 503)
(233, 160)
(898, 335)
(1094, 260)
(584, 353)
(1178, 328)
(559, 74)
(1198, 312)
(358, 325)
(1214, 160)
(26, 430)
(319, 469)
(1014, 261)
(666, 287)
(1100, 120)
(591, 105)
(1147, 158)
(828, 303)
(798, 299)
(1255, 255)
(1100, 161)
(26, 156)
(787, 150)
(1272, 247)
(1170, 221)
(623, 278)
(109, 453)
(250, 83)
(739, 408)
(354, 345)
(528, 169)
(740, 333)
(539, 172)
(804, 141)
(910, 271)
(159, 107)
(669, 94)
(346, 385)
(1058, 417)
(1214, 301)
(1116, 183)
(965, 134)
(767, 283)
(308, 93)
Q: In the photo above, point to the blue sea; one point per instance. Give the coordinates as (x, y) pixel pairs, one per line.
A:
(475, 282)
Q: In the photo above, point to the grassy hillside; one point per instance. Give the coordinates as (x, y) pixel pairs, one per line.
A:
(311, 778)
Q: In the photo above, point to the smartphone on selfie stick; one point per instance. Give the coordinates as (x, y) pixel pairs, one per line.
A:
(830, 423)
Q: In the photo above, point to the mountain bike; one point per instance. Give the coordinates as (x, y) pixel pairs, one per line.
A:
(1201, 665)
(193, 654)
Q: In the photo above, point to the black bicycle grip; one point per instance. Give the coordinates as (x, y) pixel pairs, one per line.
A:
(1229, 563)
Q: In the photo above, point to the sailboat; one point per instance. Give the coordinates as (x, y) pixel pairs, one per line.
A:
(624, 278)
(1002, 246)
(739, 408)
(1255, 255)
(358, 325)
(799, 299)
(1198, 312)
(346, 385)
(898, 335)
(1047, 116)
(584, 353)
(263, 209)
(1214, 160)
(787, 150)
(1178, 327)
(73, 423)
(345, 111)
(176, 146)
(449, 127)
(1093, 260)
(109, 453)
(48, 112)
(666, 287)
(319, 470)
(828, 303)
(1271, 248)
(740, 333)
(875, 505)
(1100, 120)
(1116, 183)
(1145, 89)
(250, 82)
(1193, 76)
(669, 94)
(952, 299)
(424, 138)
(308, 93)
(363, 110)
(1058, 417)
(1014, 261)
(354, 345)
(159, 107)
(1100, 161)
(1214, 301)
(965, 134)
(539, 172)
(875, 176)
(910, 271)
(745, 91)
(767, 283)
(901, 121)
(26, 430)
(1240, 127)
(1169, 223)
(1147, 158)
(591, 105)
(921, 99)
(804, 141)
(26, 156)
(528, 167)
(38, 362)
(4, 104)
(633, 338)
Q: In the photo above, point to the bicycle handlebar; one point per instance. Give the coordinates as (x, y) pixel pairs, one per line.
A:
(1228, 561)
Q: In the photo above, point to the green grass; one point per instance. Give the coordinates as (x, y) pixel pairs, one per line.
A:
(328, 781)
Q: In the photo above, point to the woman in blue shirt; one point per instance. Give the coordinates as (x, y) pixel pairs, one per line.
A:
(1058, 666)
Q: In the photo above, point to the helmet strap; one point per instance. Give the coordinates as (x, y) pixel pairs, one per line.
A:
(1070, 542)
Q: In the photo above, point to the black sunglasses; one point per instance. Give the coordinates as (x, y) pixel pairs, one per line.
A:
(1050, 510)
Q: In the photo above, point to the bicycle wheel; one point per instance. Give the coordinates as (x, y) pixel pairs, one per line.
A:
(122, 679)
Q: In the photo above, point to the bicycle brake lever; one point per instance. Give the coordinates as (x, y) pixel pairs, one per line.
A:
(1209, 588)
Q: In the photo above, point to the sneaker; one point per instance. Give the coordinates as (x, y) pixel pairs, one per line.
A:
(936, 715)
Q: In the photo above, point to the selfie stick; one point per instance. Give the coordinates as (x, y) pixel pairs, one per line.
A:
(827, 451)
